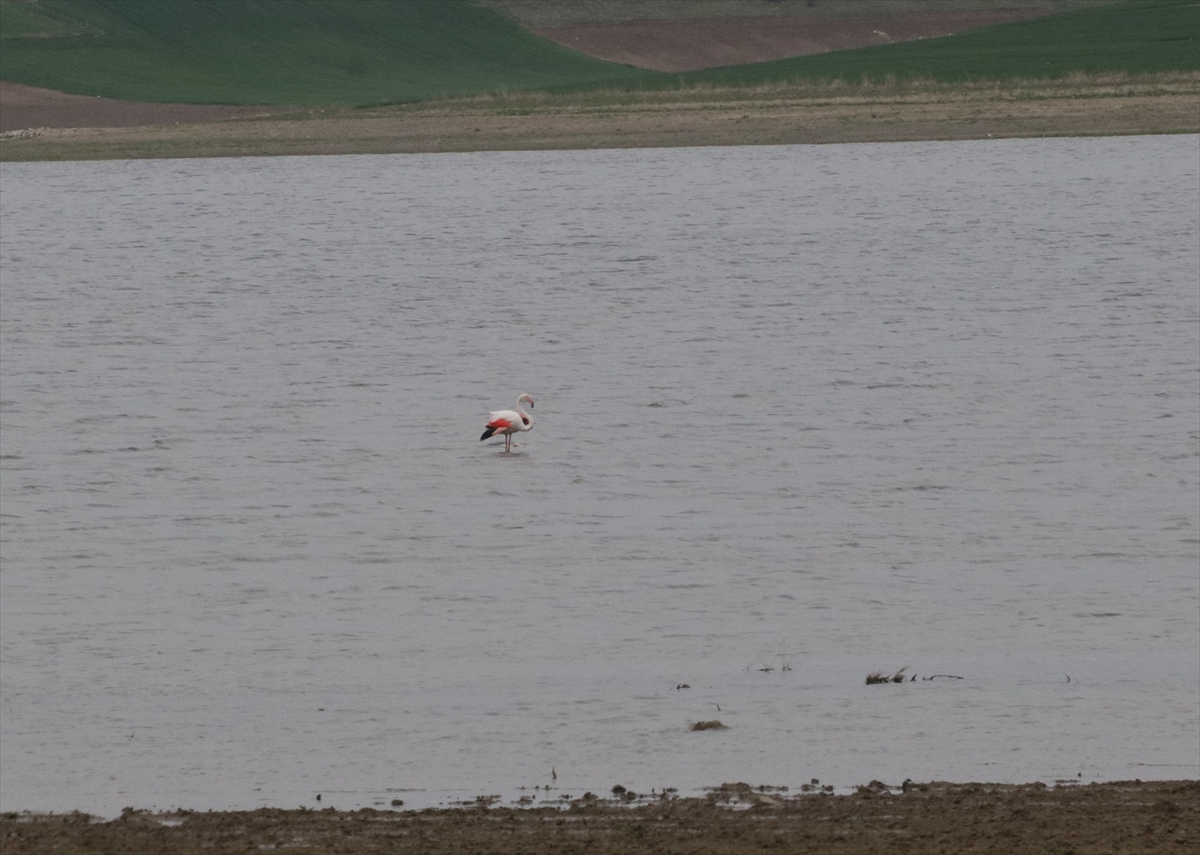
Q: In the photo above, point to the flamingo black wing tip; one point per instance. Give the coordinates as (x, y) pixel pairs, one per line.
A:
(487, 433)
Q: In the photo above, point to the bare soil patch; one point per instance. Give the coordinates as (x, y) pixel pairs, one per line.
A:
(555, 13)
(23, 107)
(1129, 817)
(682, 45)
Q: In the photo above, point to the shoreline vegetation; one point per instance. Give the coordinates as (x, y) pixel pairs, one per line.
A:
(696, 115)
(1121, 816)
(458, 76)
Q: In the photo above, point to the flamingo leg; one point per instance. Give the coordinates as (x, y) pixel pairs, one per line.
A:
(508, 443)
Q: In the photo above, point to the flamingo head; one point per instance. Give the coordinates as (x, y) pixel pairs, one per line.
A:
(526, 398)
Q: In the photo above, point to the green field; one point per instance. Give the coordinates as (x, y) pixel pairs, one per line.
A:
(1140, 37)
(379, 51)
(282, 51)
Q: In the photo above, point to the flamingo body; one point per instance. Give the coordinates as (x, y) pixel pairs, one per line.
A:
(508, 422)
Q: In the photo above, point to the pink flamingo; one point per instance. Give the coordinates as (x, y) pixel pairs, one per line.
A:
(509, 422)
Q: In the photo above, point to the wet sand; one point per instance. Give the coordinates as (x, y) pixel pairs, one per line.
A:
(1125, 817)
(834, 113)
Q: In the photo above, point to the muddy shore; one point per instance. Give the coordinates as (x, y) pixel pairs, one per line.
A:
(1125, 817)
(694, 117)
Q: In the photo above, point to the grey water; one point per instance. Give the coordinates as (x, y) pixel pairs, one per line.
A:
(802, 413)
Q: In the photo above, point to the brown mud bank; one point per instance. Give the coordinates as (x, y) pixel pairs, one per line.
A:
(1126, 817)
(785, 114)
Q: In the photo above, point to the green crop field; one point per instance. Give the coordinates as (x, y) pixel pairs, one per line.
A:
(352, 52)
(28, 20)
(282, 51)
(1139, 37)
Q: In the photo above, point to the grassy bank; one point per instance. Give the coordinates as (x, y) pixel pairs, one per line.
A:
(617, 118)
(1140, 61)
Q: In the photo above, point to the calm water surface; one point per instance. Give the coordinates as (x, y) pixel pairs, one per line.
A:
(820, 410)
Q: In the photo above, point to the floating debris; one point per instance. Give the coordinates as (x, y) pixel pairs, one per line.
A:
(622, 793)
(768, 663)
(709, 725)
(900, 677)
(879, 677)
(746, 794)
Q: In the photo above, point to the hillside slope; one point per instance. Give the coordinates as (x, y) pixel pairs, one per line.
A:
(355, 52)
(282, 51)
(1135, 37)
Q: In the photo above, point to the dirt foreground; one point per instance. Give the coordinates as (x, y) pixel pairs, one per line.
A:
(1126, 817)
(831, 113)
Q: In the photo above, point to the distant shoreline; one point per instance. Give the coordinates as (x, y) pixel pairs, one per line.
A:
(792, 114)
(1125, 816)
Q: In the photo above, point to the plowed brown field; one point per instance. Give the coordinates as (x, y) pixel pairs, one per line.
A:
(690, 45)
(23, 107)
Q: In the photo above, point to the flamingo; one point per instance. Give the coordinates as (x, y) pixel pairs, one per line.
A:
(509, 422)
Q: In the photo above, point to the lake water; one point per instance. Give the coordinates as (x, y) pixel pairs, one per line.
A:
(819, 410)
